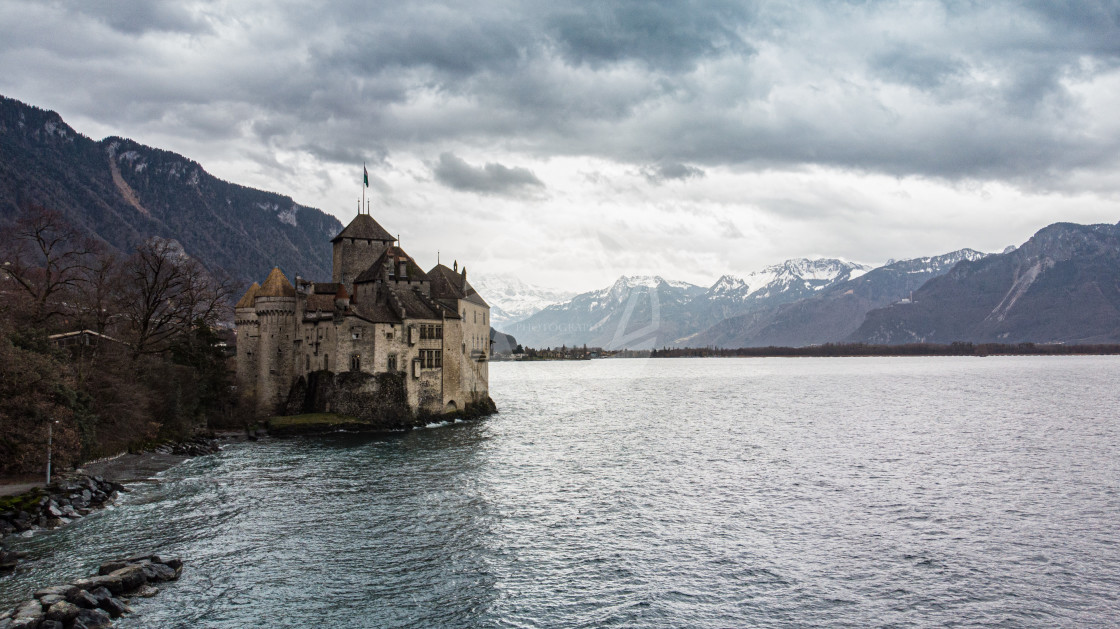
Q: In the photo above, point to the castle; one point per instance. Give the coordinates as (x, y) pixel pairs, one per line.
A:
(379, 314)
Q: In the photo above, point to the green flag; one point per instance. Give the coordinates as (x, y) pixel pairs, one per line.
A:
(365, 175)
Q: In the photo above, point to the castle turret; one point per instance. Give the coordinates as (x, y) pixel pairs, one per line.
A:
(275, 307)
(357, 247)
(248, 337)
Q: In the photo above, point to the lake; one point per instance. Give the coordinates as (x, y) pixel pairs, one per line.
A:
(902, 492)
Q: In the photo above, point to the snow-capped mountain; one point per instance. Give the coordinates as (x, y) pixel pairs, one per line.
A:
(831, 312)
(512, 300)
(635, 311)
(647, 311)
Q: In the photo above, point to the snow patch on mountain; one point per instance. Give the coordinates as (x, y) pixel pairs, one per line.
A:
(512, 300)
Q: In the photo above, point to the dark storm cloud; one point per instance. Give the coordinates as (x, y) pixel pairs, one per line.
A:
(454, 172)
(136, 18)
(664, 35)
(658, 173)
(951, 89)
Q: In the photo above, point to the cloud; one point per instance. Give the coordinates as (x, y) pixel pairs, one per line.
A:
(456, 173)
(660, 173)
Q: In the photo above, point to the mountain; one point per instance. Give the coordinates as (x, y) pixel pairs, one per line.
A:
(1060, 286)
(124, 193)
(636, 311)
(764, 290)
(639, 312)
(833, 312)
(512, 300)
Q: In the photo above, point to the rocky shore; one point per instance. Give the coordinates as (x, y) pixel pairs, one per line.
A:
(80, 494)
(59, 504)
(93, 602)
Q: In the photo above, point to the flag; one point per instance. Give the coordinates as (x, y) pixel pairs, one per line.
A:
(365, 175)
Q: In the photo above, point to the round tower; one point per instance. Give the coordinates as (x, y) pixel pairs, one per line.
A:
(275, 307)
(248, 338)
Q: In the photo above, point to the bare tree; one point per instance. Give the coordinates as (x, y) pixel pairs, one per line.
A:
(164, 293)
(46, 258)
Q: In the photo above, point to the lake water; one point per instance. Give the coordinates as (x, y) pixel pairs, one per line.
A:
(658, 493)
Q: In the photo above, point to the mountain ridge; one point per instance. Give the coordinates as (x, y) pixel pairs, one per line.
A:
(124, 192)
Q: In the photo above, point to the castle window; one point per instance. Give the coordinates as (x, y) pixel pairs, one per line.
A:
(327, 362)
(389, 336)
(356, 362)
(355, 333)
(392, 363)
(431, 331)
(308, 367)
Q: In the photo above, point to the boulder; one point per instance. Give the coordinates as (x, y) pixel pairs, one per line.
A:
(108, 581)
(111, 566)
(131, 576)
(52, 624)
(160, 572)
(28, 615)
(53, 510)
(85, 599)
(62, 611)
(101, 595)
(92, 619)
(146, 591)
(65, 591)
(50, 599)
(174, 563)
(115, 607)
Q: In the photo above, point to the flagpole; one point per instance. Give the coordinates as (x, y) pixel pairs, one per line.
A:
(363, 188)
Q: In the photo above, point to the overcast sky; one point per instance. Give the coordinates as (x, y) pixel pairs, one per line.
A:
(567, 143)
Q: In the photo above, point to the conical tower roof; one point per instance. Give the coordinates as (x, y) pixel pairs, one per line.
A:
(277, 285)
(363, 227)
(246, 300)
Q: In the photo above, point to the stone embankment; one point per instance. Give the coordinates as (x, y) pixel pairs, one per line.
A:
(60, 503)
(93, 602)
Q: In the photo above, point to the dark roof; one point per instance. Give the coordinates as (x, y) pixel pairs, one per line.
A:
(377, 270)
(447, 284)
(325, 288)
(276, 285)
(400, 300)
(363, 227)
(246, 300)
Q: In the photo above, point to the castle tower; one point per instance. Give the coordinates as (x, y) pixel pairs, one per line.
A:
(275, 307)
(357, 247)
(248, 337)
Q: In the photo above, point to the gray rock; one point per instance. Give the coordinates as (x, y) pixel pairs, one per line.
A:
(101, 594)
(93, 619)
(115, 608)
(62, 612)
(53, 510)
(5, 623)
(111, 566)
(173, 562)
(131, 576)
(50, 599)
(160, 572)
(147, 591)
(108, 581)
(52, 624)
(85, 599)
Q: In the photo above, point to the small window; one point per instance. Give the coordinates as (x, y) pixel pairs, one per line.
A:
(356, 362)
(389, 336)
(355, 334)
(392, 362)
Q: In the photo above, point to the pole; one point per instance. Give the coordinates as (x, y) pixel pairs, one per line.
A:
(364, 184)
(50, 431)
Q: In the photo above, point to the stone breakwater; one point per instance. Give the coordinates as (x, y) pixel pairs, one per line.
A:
(60, 503)
(93, 602)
